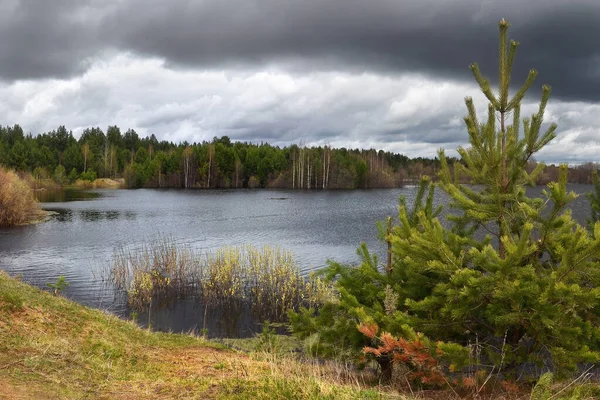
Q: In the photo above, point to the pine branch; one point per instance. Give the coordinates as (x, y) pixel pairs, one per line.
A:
(484, 84)
(521, 92)
(503, 73)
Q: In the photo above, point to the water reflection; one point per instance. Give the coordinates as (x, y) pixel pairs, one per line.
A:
(112, 215)
(62, 215)
(63, 195)
(192, 316)
(91, 215)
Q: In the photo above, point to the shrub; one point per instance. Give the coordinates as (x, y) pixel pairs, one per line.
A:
(40, 173)
(60, 175)
(58, 286)
(17, 203)
(88, 176)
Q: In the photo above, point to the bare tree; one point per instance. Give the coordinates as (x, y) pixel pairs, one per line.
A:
(211, 154)
(85, 149)
(187, 166)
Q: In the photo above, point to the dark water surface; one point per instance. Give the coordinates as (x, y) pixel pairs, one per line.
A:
(79, 242)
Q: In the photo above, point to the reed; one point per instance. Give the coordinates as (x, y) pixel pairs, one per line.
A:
(268, 279)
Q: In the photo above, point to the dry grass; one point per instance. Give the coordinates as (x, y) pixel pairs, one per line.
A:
(102, 183)
(52, 348)
(17, 202)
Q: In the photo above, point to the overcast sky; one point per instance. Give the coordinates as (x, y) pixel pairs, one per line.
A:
(388, 74)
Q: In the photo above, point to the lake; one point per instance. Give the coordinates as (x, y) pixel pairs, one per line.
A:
(80, 240)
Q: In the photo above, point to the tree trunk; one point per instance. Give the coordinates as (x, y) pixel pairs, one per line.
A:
(328, 164)
(504, 184)
(308, 173)
(294, 171)
(389, 247)
(159, 173)
(387, 368)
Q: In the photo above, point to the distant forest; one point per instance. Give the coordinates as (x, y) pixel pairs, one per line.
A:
(221, 163)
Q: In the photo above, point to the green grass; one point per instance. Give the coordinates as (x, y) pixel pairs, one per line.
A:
(53, 348)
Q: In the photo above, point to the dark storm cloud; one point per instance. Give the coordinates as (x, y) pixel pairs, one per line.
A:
(429, 36)
(40, 39)
(438, 37)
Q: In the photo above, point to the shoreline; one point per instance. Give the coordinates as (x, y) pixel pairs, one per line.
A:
(39, 216)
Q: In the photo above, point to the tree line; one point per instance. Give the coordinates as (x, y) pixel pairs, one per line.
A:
(220, 163)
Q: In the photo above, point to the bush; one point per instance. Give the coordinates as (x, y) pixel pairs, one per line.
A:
(60, 175)
(88, 176)
(73, 175)
(17, 203)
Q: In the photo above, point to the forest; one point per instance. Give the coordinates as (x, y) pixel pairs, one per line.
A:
(221, 163)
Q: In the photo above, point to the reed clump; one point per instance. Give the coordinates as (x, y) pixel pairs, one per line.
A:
(17, 202)
(162, 260)
(266, 279)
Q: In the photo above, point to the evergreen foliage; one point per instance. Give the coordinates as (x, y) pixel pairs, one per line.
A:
(594, 198)
(515, 274)
(220, 163)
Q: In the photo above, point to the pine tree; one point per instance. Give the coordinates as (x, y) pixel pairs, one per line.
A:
(515, 273)
(594, 198)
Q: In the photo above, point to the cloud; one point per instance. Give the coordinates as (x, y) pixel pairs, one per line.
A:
(384, 73)
(435, 37)
(270, 105)
(412, 114)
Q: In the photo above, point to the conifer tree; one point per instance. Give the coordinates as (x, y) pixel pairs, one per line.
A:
(594, 198)
(516, 274)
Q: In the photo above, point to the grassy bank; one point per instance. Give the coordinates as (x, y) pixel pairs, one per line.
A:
(52, 348)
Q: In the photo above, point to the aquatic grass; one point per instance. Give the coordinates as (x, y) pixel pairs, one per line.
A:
(223, 277)
(161, 259)
(275, 283)
(266, 279)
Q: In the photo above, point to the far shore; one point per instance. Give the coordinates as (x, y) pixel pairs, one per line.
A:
(101, 183)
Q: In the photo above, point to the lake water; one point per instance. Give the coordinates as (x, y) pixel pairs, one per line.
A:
(80, 240)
